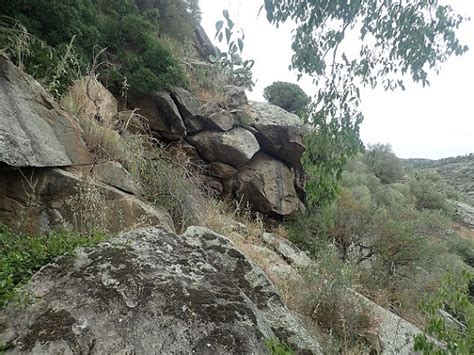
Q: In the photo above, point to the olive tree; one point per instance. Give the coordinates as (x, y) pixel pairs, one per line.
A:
(397, 40)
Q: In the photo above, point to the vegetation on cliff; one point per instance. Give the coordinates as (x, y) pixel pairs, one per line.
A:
(57, 41)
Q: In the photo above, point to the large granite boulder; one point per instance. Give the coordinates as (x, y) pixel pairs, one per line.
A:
(34, 130)
(221, 121)
(235, 147)
(163, 115)
(151, 292)
(279, 132)
(40, 200)
(190, 108)
(268, 185)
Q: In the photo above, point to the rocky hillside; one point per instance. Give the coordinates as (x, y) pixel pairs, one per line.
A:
(52, 180)
(147, 206)
(457, 171)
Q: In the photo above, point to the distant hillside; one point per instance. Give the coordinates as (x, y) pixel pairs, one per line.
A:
(458, 171)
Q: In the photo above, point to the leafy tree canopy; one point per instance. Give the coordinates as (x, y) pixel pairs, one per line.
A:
(288, 96)
(396, 40)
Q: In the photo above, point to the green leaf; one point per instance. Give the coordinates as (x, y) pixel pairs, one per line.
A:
(219, 25)
(241, 45)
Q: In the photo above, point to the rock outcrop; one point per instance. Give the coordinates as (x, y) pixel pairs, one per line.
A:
(45, 165)
(280, 133)
(232, 133)
(163, 115)
(34, 130)
(235, 147)
(267, 184)
(149, 292)
(465, 214)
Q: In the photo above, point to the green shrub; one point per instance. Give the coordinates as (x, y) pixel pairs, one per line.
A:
(428, 193)
(22, 255)
(384, 163)
(462, 247)
(134, 50)
(288, 96)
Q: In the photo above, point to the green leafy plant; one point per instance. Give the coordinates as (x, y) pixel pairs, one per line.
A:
(276, 347)
(453, 331)
(231, 61)
(22, 255)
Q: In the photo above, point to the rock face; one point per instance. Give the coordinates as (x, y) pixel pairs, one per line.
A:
(231, 133)
(280, 133)
(190, 109)
(151, 292)
(163, 115)
(235, 147)
(45, 199)
(114, 174)
(465, 214)
(268, 184)
(34, 130)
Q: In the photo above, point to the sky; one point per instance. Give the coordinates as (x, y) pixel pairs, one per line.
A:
(432, 122)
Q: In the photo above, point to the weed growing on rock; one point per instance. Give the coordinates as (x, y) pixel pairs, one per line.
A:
(29, 187)
(89, 207)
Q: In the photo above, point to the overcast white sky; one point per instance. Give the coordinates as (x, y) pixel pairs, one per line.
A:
(432, 122)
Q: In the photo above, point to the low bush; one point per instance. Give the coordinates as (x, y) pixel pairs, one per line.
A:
(324, 298)
(22, 255)
(384, 163)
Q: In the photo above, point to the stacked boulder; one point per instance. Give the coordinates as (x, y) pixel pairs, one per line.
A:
(248, 149)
